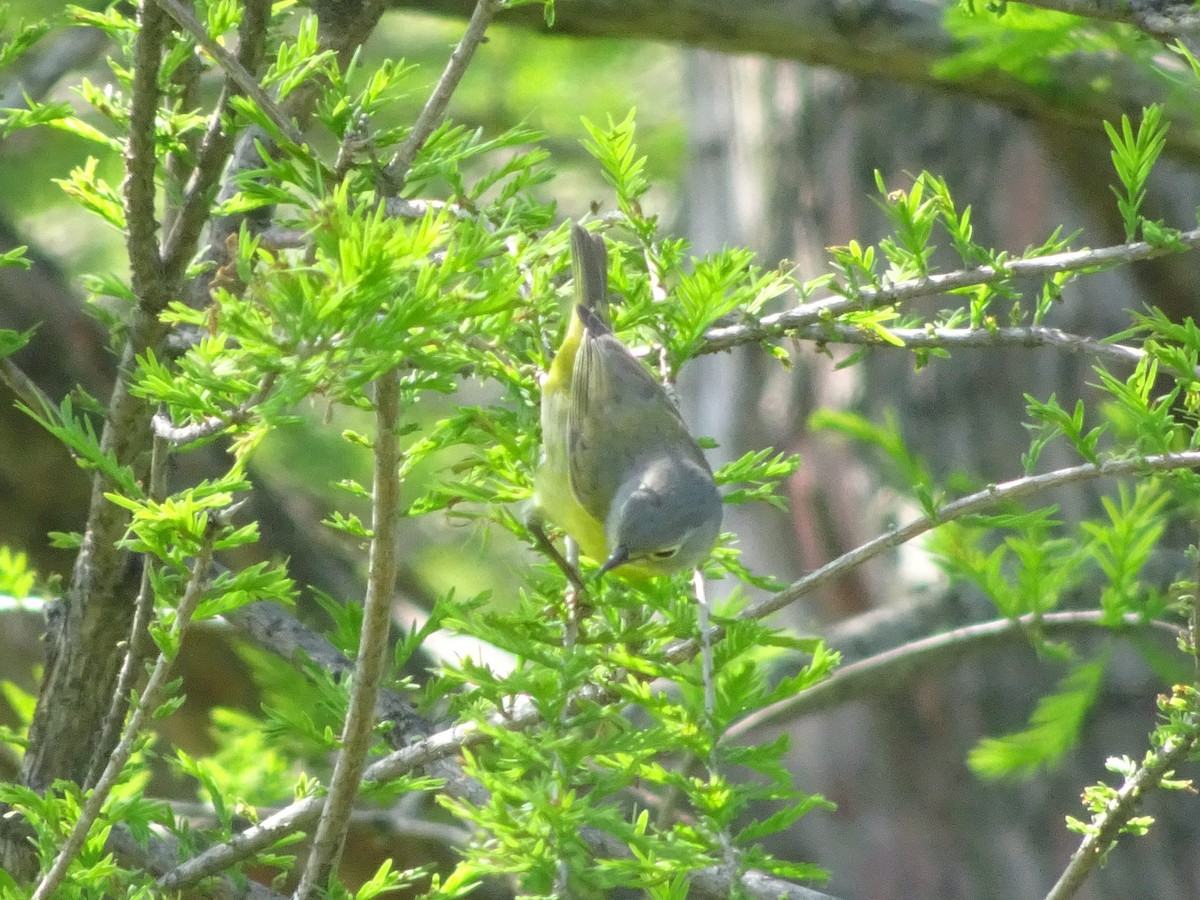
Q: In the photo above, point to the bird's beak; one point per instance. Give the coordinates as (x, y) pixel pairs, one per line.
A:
(618, 557)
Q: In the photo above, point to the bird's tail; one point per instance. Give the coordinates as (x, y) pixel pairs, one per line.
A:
(590, 265)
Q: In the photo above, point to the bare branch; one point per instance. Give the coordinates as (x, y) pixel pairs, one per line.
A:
(1029, 337)
(890, 667)
(1017, 489)
(435, 107)
(818, 311)
(1158, 19)
(896, 41)
(720, 882)
(373, 643)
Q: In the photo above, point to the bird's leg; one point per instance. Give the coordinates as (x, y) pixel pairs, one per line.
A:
(547, 546)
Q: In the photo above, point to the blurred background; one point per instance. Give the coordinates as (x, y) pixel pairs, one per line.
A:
(778, 156)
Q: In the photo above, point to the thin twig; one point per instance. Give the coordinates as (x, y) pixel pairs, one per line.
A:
(887, 669)
(179, 435)
(1106, 826)
(1029, 337)
(234, 68)
(722, 882)
(373, 643)
(26, 388)
(435, 107)
(148, 703)
(817, 311)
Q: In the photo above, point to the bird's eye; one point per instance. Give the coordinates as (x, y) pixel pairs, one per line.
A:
(665, 554)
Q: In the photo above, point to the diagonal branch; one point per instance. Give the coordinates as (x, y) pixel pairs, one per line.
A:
(890, 667)
(435, 107)
(1017, 489)
(1105, 827)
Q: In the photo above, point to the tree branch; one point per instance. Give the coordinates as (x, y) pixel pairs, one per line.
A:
(1029, 337)
(1160, 19)
(141, 161)
(238, 69)
(25, 388)
(1106, 826)
(435, 107)
(822, 310)
(891, 667)
(373, 643)
(136, 648)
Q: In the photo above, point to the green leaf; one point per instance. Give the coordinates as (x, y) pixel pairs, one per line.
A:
(12, 341)
(1053, 730)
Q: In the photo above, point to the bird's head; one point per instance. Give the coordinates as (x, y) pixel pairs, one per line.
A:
(665, 519)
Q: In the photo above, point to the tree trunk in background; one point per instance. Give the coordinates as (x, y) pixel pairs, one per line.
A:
(783, 160)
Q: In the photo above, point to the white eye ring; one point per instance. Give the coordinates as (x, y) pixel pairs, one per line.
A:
(665, 554)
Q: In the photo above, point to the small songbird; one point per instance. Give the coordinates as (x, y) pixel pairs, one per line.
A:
(620, 473)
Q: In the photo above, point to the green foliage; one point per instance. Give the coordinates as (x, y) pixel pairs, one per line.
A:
(1050, 420)
(1176, 730)
(16, 577)
(25, 36)
(763, 470)
(1023, 42)
(551, 784)
(1053, 728)
(1030, 571)
(1133, 157)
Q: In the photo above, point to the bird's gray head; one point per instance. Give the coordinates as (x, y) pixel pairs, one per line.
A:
(664, 519)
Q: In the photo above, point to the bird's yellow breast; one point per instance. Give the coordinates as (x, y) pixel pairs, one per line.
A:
(552, 491)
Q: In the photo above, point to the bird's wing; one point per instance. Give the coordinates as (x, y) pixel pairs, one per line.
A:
(619, 414)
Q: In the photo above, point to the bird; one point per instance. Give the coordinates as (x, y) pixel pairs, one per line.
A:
(619, 473)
